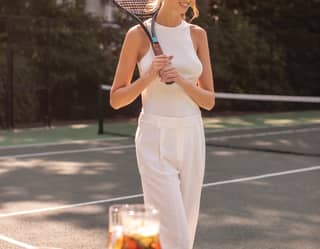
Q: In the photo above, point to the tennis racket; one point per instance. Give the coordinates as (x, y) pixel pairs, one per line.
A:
(140, 10)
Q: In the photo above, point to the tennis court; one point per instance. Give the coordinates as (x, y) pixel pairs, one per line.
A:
(261, 187)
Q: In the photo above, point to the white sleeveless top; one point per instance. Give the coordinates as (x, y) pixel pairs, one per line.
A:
(171, 100)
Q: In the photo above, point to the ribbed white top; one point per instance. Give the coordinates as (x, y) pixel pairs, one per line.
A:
(171, 100)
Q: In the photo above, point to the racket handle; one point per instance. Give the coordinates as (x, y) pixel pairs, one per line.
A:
(156, 48)
(158, 51)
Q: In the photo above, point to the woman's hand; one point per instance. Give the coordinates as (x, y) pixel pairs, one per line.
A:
(158, 63)
(201, 96)
(170, 74)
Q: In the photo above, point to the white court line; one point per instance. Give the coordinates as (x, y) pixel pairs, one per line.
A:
(221, 130)
(22, 146)
(15, 242)
(263, 134)
(249, 135)
(41, 210)
(124, 138)
(244, 179)
(67, 152)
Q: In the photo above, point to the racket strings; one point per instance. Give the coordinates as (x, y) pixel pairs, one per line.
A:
(139, 7)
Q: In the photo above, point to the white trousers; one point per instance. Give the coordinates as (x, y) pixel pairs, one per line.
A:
(171, 159)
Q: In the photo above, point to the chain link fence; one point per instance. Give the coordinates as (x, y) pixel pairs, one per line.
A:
(50, 68)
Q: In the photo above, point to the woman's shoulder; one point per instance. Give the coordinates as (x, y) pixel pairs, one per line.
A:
(135, 31)
(199, 34)
(197, 30)
(137, 40)
(137, 34)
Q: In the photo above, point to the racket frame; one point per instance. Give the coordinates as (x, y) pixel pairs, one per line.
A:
(137, 18)
(151, 36)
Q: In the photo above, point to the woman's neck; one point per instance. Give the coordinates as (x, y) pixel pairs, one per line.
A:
(167, 17)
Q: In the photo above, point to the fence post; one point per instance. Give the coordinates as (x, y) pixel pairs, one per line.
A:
(100, 110)
(47, 71)
(101, 106)
(10, 87)
(10, 80)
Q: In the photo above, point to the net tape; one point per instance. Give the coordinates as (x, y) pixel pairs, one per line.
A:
(264, 97)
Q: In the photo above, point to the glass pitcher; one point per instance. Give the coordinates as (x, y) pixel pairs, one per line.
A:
(115, 236)
(140, 227)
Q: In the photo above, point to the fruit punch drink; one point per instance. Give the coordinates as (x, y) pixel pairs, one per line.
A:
(141, 228)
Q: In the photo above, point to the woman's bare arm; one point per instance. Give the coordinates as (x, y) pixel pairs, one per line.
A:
(203, 93)
(123, 92)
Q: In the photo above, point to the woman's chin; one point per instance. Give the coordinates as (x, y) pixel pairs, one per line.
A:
(184, 7)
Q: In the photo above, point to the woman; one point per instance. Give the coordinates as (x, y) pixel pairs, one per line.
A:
(170, 143)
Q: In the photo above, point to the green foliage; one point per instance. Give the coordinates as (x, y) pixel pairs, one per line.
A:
(60, 49)
(244, 61)
(289, 32)
(268, 47)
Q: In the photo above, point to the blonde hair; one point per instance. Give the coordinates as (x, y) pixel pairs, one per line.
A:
(193, 6)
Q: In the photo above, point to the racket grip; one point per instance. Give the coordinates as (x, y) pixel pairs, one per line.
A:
(158, 51)
(156, 48)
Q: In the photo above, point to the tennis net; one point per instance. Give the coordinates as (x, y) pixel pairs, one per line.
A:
(250, 122)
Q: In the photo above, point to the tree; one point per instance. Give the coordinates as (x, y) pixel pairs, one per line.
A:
(291, 26)
(244, 61)
(59, 48)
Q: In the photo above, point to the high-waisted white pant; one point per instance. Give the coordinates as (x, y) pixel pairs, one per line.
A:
(171, 160)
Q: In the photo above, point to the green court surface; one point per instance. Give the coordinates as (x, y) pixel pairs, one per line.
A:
(89, 131)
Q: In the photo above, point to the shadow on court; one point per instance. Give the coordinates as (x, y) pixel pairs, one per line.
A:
(59, 194)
